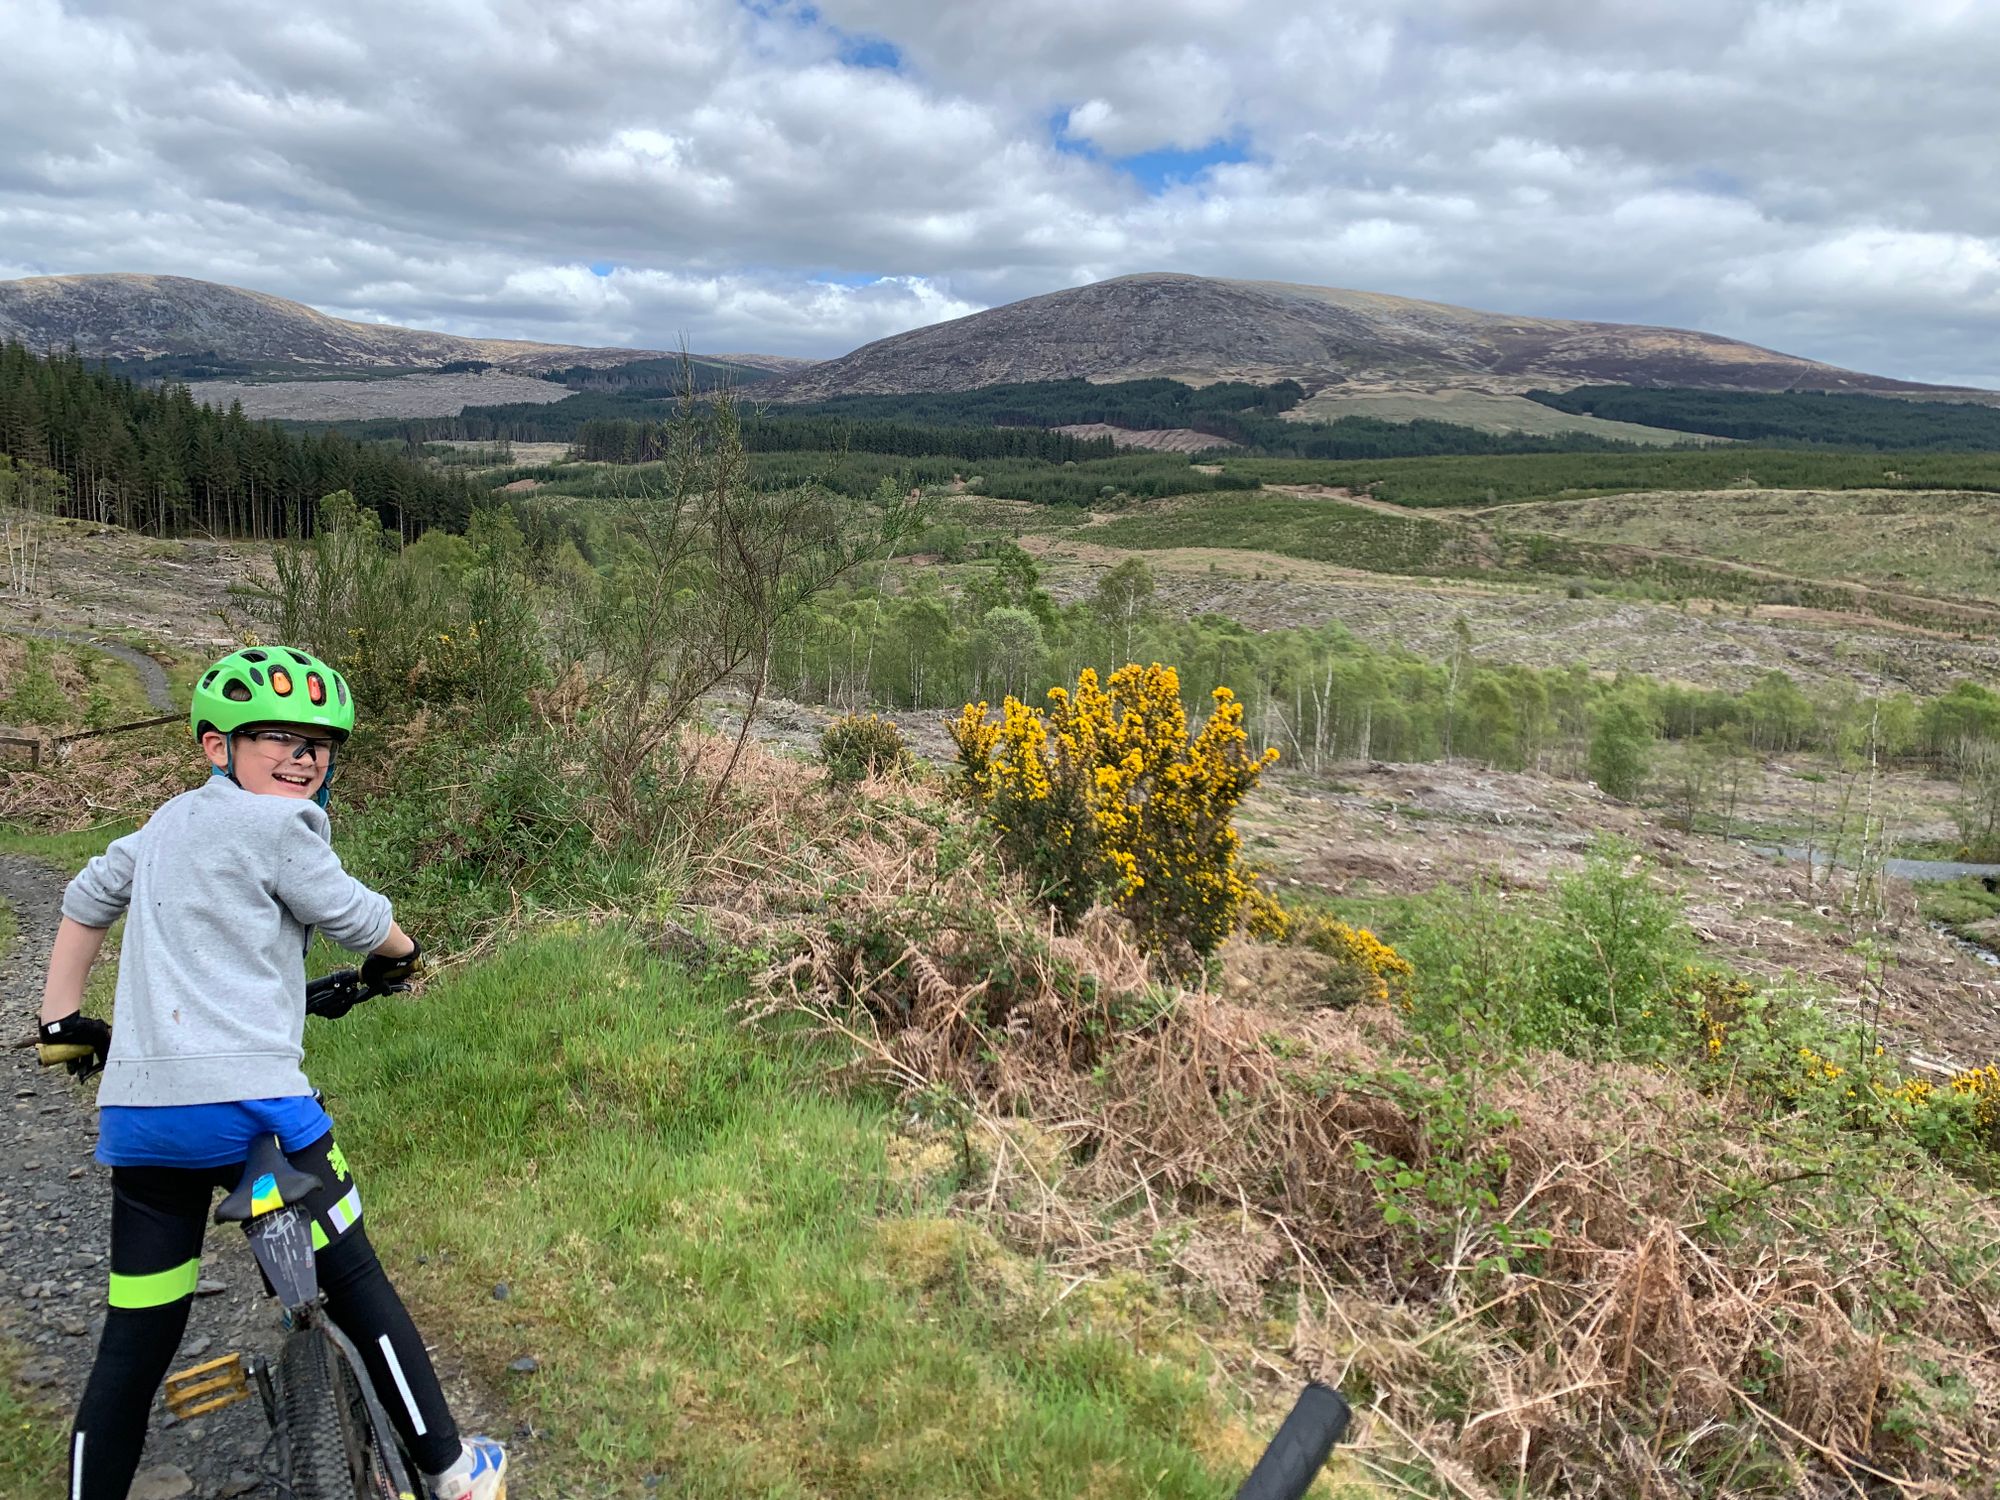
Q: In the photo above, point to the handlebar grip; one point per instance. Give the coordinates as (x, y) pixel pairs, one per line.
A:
(1300, 1449)
(55, 1054)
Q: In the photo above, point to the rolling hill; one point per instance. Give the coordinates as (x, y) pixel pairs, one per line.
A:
(1201, 329)
(122, 316)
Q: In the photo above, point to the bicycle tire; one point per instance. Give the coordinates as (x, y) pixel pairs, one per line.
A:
(1317, 1421)
(316, 1401)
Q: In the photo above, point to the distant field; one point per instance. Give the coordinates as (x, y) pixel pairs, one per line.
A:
(1932, 542)
(1320, 530)
(1487, 412)
(360, 400)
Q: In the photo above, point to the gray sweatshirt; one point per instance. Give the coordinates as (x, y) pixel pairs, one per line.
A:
(220, 891)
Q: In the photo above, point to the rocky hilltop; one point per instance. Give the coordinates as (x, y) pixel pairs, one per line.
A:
(1199, 329)
(122, 316)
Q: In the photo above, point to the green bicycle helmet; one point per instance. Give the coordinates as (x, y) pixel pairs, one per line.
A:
(271, 685)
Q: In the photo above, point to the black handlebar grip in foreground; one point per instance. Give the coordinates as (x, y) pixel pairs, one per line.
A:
(1300, 1449)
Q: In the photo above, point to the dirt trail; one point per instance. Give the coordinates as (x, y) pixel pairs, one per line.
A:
(55, 1236)
(151, 675)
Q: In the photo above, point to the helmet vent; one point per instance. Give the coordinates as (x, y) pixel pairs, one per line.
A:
(340, 687)
(299, 657)
(253, 655)
(211, 676)
(236, 690)
(281, 682)
(257, 677)
(315, 689)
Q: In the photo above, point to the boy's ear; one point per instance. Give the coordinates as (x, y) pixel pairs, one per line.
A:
(215, 746)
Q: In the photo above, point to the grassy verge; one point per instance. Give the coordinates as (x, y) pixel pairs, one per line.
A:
(66, 851)
(31, 1438)
(724, 1276)
(9, 929)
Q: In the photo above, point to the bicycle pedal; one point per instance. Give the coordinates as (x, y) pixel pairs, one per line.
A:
(207, 1387)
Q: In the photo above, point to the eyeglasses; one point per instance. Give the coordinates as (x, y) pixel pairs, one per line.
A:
(295, 745)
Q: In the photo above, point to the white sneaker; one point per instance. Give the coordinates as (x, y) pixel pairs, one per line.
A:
(479, 1474)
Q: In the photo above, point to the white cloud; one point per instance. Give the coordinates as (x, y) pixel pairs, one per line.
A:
(1815, 175)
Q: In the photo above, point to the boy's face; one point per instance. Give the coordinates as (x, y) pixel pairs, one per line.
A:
(276, 760)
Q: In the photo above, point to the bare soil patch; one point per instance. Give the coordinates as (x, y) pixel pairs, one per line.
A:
(1156, 439)
(1707, 645)
(402, 396)
(187, 592)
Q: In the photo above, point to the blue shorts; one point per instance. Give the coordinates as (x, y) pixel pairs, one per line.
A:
(204, 1135)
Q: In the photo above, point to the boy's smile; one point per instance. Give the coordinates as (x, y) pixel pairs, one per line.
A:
(276, 760)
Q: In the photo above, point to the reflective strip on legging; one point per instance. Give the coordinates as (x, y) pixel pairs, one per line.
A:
(156, 1290)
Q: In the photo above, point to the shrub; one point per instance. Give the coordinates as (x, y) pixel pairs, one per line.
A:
(1108, 792)
(1368, 970)
(467, 833)
(36, 697)
(1621, 741)
(858, 746)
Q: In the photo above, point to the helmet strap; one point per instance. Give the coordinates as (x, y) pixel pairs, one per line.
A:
(325, 793)
(228, 770)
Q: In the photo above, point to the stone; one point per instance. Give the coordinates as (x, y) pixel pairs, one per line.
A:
(500, 1292)
(206, 1288)
(161, 1482)
(527, 1364)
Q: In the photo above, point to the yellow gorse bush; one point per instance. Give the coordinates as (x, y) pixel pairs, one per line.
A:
(1106, 791)
(1370, 969)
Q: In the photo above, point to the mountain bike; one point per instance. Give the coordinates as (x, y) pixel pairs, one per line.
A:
(334, 1439)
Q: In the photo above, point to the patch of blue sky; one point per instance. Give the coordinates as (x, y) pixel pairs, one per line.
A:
(855, 49)
(1716, 183)
(1155, 171)
(869, 52)
(603, 267)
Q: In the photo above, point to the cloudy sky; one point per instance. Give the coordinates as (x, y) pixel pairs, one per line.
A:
(1820, 176)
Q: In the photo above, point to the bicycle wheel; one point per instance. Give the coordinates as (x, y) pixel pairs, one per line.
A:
(326, 1447)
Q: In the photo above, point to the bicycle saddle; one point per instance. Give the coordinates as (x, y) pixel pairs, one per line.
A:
(268, 1182)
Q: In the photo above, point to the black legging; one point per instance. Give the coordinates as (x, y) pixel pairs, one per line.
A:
(158, 1215)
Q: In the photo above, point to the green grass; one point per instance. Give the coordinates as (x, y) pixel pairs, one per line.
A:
(711, 1257)
(1938, 543)
(1957, 903)
(31, 1437)
(69, 852)
(1321, 530)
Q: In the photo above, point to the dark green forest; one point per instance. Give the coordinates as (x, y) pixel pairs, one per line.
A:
(1879, 422)
(1517, 478)
(98, 446)
(1009, 420)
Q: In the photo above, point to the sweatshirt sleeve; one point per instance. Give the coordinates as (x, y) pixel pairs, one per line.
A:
(102, 890)
(316, 889)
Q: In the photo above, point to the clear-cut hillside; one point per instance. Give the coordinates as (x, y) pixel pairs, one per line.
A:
(122, 316)
(1199, 328)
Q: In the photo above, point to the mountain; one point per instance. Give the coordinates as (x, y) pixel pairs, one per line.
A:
(1199, 328)
(121, 316)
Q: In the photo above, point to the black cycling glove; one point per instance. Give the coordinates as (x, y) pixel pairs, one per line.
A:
(78, 1030)
(390, 974)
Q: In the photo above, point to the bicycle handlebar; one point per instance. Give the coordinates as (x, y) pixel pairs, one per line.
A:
(1300, 1450)
(334, 995)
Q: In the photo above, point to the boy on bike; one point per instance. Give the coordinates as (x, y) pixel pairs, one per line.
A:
(221, 892)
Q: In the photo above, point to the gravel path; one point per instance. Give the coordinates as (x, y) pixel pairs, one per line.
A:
(55, 1235)
(152, 676)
